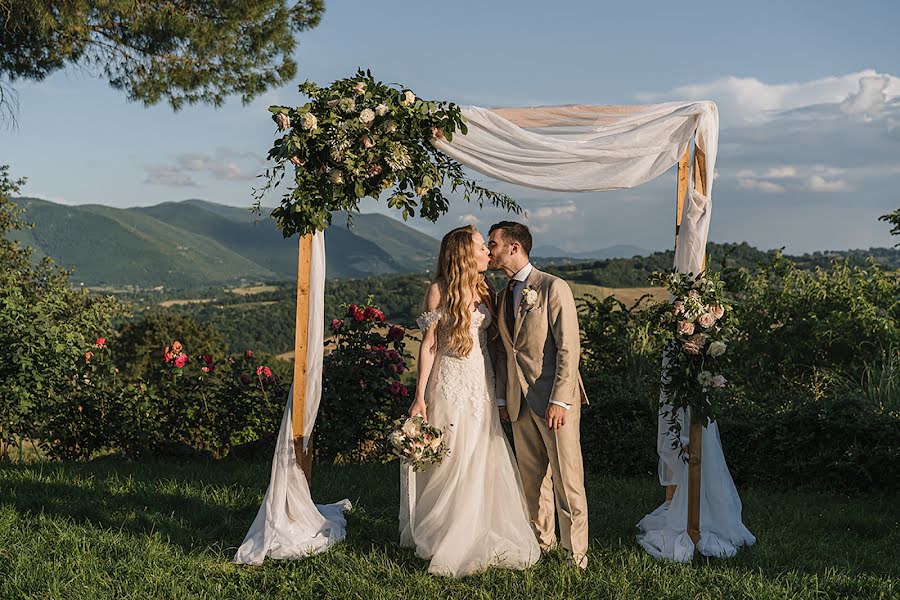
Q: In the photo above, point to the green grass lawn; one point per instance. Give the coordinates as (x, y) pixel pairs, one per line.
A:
(119, 530)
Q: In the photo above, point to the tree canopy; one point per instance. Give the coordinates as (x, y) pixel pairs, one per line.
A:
(176, 51)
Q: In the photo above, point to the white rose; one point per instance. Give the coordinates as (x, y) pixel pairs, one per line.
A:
(366, 116)
(381, 110)
(717, 349)
(705, 378)
(408, 98)
(309, 122)
(531, 296)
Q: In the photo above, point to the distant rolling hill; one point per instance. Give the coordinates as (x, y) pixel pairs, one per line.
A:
(195, 243)
(619, 251)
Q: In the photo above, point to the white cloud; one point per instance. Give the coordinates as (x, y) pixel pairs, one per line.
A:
(785, 172)
(469, 219)
(760, 185)
(545, 212)
(871, 99)
(817, 183)
(163, 175)
(747, 99)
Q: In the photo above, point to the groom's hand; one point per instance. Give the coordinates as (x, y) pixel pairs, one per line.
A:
(556, 417)
(504, 414)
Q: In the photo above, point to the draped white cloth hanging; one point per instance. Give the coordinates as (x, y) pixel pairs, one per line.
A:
(288, 523)
(575, 149)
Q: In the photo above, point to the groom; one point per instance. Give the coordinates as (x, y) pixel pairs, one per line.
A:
(539, 389)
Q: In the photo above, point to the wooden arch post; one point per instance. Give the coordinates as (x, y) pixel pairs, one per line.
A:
(298, 401)
(695, 440)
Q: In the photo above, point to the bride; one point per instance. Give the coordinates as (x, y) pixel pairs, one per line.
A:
(467, 513)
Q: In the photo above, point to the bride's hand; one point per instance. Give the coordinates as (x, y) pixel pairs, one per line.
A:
(417, 408)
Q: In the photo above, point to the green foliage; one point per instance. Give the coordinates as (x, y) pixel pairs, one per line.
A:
(139, 344)
(159, 50)
(813, 378)
(359, 138)
(795, 321)
(46, 326)
(361, 389)
(893, 218)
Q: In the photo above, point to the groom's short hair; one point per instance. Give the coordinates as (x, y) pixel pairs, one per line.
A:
(514, 232)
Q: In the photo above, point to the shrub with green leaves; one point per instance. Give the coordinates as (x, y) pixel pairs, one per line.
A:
(361, 389)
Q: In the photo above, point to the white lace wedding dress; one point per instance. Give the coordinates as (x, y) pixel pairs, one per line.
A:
(468, 512)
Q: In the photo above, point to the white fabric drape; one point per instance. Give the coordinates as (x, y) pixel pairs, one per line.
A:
(288, 523)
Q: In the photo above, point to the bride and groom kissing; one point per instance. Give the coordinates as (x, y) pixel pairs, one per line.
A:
(488, 357)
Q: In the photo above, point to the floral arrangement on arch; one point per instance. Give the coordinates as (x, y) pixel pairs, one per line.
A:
(697, 327)
(362, 138)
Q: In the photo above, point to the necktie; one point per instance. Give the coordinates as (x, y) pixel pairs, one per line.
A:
(510, 315)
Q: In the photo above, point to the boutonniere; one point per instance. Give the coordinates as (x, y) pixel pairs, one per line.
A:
(529, 297)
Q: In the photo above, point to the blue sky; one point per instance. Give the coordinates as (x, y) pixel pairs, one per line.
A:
(808, 93)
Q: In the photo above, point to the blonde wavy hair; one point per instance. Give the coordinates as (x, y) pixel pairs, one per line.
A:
(458, 273)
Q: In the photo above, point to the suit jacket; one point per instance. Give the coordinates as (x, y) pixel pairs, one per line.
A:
(540, 353)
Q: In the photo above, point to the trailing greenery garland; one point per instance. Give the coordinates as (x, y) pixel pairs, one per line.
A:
(362, 138)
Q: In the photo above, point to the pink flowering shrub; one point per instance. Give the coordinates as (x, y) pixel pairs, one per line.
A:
(362, 390)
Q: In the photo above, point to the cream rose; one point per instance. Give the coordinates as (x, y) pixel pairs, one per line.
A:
(381, 110)
(360, 87)
(718, 311)
(309, 122)
(390, 126)
(410, 428)
(366, 116)
(706, 320)
(408, 98)
(717, 349)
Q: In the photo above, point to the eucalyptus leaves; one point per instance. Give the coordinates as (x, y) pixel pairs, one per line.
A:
(362, 138)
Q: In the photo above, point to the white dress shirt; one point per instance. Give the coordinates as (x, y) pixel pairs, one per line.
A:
(520, 278)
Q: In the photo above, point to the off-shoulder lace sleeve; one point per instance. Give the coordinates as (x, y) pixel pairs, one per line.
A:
(427, 319)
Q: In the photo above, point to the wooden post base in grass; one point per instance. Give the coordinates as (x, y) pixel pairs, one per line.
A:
(298, 407)
(695, 453)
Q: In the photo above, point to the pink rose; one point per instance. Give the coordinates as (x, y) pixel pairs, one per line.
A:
(706, 320)
(719, 381)
(718, 311)
(395, 388)
(685, 327)
(437, 133)
(267, 371)
(101, 342)
(374, 170)
(367, 142)
(248, 353)
(404, 391)
(337, 325)
(181, 360)
(678, 307)
(176, 346)
(205, 369)
(297, 162)
(283, 121)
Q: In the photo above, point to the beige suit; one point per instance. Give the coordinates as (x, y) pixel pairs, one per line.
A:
(539, 363)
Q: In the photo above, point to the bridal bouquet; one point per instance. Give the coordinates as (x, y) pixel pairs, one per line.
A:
(698, 327)
(417, 443)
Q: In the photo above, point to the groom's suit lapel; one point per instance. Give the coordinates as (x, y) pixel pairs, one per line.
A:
(533, 281)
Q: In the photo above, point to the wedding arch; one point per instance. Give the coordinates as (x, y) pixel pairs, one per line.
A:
(558, 148)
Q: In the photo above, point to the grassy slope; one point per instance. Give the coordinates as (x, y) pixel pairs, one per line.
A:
(110, 530)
